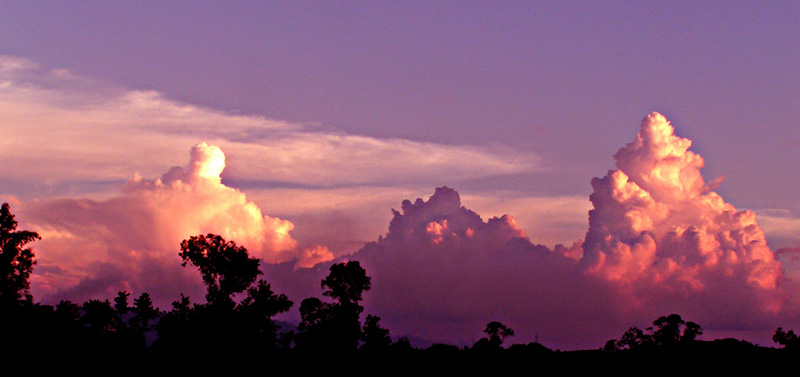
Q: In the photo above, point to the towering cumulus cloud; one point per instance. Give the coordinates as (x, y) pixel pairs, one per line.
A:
(659, 241)
(443, 271)
(131, 241)
(656, 223)
(193, 200)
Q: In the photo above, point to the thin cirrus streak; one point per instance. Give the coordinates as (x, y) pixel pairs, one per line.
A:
(67, 130)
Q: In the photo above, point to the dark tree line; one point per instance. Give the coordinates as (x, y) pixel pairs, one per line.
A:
(667, 331)
(237, 315)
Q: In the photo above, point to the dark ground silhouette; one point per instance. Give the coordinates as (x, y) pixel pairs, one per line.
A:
(329, 329)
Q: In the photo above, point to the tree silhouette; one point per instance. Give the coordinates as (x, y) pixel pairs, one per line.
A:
(226, 268)
(788, 339)
(672, 329)
(121, 302)
(313, 312)
(16, 261)
(222, 325)
(68, 311)
(69, 332)
(335, 326)
(99, 317)
(182, 308)
(668, 331)
(376, 338)
(144, 313)
(691, 332)
(256, 312)
(178, 330)
(611, 346)
(497, 333)
(634, 338)
(346, 282)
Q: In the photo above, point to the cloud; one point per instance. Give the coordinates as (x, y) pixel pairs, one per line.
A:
(136, 234)
(781, 227)
(332, 217)
(65, 134)
(441, 270)
(442, 262)
(659, 241)
(655, 221)
(659, 238)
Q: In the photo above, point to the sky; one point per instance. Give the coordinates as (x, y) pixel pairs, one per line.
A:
(298, 129)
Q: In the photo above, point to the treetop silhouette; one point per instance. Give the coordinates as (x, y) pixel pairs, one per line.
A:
(497, 334)
(336, 326)
(227, 269)
(788, 339)
(16, 261)
(221, 324)
(346, 282)
(668, 331)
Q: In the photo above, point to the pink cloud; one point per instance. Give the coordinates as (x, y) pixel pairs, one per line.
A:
(656, 223)
(137, 233)
(659, 241)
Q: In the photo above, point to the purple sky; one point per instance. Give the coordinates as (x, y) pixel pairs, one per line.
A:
(332, 113)
(536, 76)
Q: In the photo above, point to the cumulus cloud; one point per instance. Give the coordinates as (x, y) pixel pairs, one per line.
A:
(136, 234)
(443, 260)
(660, 241)
(656, 222)
(333, 217)
(441, 270)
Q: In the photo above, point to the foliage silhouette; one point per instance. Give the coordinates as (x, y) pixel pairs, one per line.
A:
(497, 333)
(335, 326)
(16, 261)
(376, 338)
(668, 331)
(144, 313)
(788, 339)
(257, 310)
(634, 338)
(100, 317)
(68, 311)
(672, 329)
(221, 324)
(121, 302)
(346, 283)
(402, 346)
(226, 268)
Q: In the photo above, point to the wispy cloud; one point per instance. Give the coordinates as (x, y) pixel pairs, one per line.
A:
(781, 227)
(62, 129)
